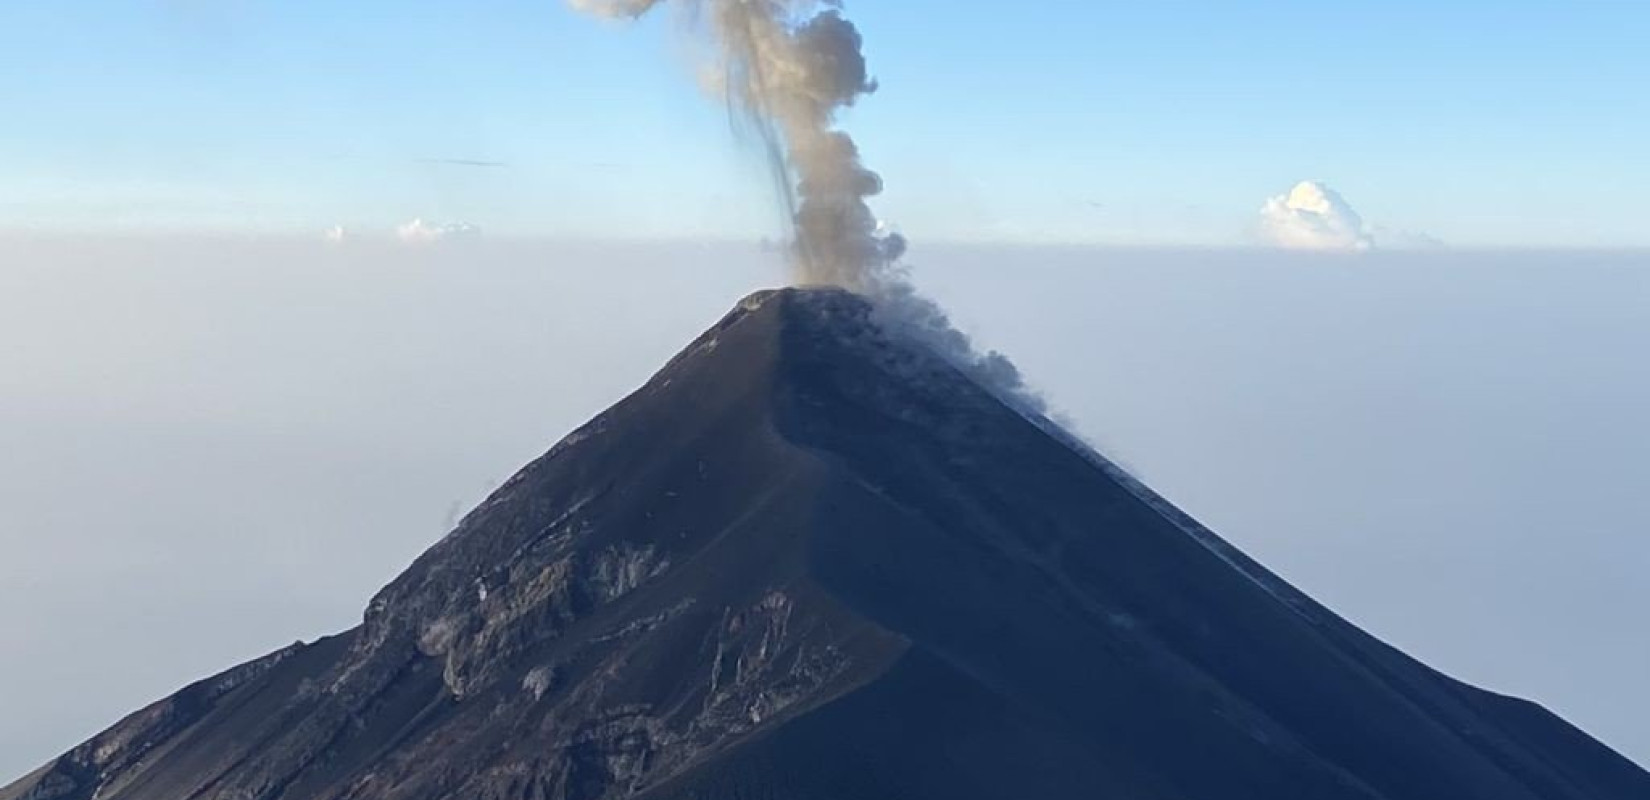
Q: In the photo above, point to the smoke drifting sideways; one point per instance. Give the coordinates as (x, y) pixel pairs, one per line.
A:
(787, 67)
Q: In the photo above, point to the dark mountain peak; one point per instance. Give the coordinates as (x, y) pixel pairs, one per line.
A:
(812, 560)
(756, 404)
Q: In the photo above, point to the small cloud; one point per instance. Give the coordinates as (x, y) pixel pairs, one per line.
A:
(615, 8)
(337, 234)
(464, 162)
(421, 232)
(1313, 216)
(1393, 239)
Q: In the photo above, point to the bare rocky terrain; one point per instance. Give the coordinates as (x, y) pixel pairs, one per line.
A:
(810, 561)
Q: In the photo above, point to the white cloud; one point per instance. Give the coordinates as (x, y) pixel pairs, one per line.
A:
(336, 234)
(1393, 239)
(422, 232)
(615, 8)
(1313, 216)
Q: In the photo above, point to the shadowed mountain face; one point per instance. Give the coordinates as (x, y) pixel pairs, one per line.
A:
(809, 562)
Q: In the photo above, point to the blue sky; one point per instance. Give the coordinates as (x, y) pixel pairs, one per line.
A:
(1516, 123)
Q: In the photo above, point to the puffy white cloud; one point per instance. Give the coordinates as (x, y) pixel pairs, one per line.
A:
(1313, 216)
(615, 8)
(336, 234)
(420, 231)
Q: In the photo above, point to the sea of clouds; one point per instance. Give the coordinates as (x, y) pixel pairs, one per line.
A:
(212, 447)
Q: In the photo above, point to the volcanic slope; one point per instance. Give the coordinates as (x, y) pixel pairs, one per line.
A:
(810, 561)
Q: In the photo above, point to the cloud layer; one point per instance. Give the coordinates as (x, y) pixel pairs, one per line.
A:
(420, 231)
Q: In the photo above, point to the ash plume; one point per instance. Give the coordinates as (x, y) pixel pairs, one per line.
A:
(787, 67)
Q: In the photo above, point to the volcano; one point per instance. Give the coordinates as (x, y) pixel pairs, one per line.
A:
(810, 560)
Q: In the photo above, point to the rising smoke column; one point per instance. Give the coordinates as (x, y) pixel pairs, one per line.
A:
(788, 67)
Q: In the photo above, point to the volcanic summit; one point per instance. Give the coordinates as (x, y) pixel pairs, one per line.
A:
(810, 560)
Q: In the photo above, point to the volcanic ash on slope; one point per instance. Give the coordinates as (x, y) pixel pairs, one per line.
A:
(812, 561)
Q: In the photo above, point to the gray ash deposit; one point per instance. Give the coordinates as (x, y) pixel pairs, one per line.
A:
(813, 561)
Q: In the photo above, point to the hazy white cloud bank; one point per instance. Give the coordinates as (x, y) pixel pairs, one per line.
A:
(417, 233)
(421, 231)
(295, 423)
(1312, 216)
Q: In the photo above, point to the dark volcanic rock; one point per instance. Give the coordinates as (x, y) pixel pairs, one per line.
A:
(806, 562)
